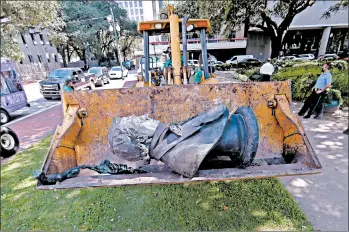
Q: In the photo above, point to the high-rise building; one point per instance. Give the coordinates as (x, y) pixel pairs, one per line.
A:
(142, 10)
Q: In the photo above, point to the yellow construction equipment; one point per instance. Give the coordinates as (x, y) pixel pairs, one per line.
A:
(177, 73)
(275, 136)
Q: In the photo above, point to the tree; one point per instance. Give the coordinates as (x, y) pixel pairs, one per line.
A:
(339, 6)
(286, 11)
(129, 39)
(225, 16)
(86, 25)
(128, 44)
(23, 15)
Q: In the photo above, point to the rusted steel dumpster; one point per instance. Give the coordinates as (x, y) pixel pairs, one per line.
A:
(82, 137)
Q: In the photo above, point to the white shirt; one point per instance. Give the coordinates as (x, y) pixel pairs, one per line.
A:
(267, 69)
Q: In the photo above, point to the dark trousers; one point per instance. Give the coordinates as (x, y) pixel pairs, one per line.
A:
(265, 77)
(314, 103)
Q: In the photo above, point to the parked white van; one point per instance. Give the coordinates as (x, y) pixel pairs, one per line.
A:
(237, 59)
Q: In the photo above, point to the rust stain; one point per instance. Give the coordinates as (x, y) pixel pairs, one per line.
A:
(169, 104)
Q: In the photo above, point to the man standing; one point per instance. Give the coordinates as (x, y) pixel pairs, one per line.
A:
(314, 102)
(266, 70)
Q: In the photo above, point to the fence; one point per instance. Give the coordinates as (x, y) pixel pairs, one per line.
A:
(35, 71)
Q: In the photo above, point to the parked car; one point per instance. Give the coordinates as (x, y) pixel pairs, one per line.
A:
(118, 72)
(193, 63)
(9, 142)
(12, 93)
(102, 75)
(215, 63)
(249, 63)
(221, 66)
(54, 84)
(237, 59)
(285, 58)
(305, 57)
(129, 64)
(328, 57)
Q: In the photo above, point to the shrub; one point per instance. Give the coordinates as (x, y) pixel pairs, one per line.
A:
(248, 72)
(303, 78)
(334, 95)
(340, 64)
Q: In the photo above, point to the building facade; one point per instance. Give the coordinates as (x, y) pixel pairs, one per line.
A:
(142, 10)
(36, 48)
(39, 56)
(309, 32)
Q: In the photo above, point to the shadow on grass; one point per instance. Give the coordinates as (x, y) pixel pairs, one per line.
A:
(237, 205)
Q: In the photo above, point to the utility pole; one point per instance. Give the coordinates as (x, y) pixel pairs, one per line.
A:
(116, 29)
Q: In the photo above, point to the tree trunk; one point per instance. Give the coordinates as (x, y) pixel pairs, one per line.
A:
(84, 57)
(342, 40)
(246, 26)
(276, 46)
(69, 54)
(62, 50)
(117, 57)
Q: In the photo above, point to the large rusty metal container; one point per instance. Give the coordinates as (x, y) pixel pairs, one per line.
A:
(82, 137)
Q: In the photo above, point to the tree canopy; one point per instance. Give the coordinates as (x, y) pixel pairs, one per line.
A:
(23, 15)
(341, 5)
(86, 26)
(72, 26)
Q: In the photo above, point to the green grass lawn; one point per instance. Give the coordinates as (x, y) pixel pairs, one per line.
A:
(237, 205)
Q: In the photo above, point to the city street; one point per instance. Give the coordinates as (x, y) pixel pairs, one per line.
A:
(41, 119)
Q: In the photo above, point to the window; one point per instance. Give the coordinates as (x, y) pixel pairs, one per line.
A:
(23, 39)
(41, 38)
(233, 34)
(30, 58)
(60, 73)
(134, 3)
(140, 3)
(48, 57)
(9, 82)
(131, 4)
(126, 4)
(33, 38)
(96, 71)
(40, 58)
(56, 58)
(131, 11)
(136, 13)
(4, 88)
(142, 18)
(141, 11)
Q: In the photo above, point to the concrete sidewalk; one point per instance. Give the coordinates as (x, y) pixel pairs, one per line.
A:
(324, 197)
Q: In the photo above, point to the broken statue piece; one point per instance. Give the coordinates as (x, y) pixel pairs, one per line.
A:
(184, 146)
(106, 167)
(129, 137)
